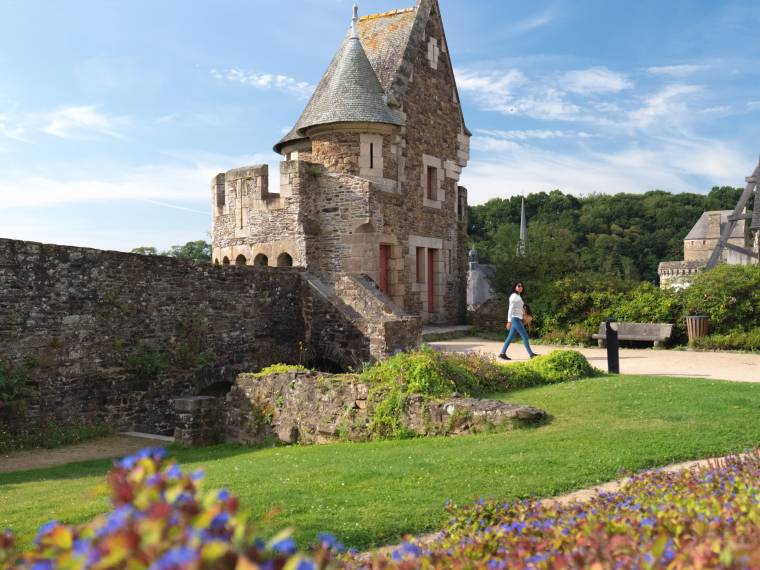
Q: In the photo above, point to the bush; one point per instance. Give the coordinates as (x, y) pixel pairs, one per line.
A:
(729, 295)
(700, 518)
(735, 340)
(14, 379)
(162, 521)
(280, 368)
(147, 362)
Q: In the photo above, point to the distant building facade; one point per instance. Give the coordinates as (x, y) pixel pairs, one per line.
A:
(369, 184)
(699, 244)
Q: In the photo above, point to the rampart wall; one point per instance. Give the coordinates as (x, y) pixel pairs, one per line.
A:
(113, 337)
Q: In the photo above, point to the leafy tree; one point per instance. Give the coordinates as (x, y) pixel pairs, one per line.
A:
(199, 250)
(145, 250)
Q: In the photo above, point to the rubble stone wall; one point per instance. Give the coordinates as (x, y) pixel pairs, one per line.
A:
(115, 337)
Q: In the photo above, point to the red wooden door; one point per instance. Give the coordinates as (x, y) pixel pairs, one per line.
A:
(383, 267)
(430, 282)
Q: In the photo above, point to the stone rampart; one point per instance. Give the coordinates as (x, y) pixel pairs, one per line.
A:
(113, 337)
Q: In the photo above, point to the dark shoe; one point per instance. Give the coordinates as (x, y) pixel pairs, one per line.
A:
(534, 355)
(504, 357)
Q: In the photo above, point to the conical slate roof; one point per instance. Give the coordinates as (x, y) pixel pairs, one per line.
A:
(349, 92)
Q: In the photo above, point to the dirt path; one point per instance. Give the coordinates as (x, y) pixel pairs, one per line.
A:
(736, 366)
(103, 448)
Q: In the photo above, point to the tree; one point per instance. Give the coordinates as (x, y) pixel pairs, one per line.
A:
(145, 250)
(198, 250)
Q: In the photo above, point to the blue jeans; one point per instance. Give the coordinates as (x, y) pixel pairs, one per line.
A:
(517, 327)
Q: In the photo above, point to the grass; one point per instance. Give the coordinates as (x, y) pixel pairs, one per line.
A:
(371, 493)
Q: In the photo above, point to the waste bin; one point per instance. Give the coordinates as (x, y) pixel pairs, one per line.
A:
(697, 326)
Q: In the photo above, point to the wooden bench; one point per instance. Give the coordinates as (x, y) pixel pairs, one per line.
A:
(649, 332)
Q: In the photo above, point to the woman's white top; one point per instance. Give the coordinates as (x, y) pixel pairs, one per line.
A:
(515, 307)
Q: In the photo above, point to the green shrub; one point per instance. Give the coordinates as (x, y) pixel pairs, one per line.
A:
(279, 368)
(734, 340)
(14, 380)
(560, 366)
(729, 295)
(147, 362)
(420, 371)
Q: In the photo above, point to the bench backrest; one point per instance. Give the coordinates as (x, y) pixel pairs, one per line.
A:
(648, 330)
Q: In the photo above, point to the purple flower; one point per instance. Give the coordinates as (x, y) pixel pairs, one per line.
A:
(285, 546)
(306, 564)
(176, 558)
(174, 472)
(43, 565)
(45, 529)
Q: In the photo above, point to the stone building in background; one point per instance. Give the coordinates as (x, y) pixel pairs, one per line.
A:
(369, 184)
(699, 244)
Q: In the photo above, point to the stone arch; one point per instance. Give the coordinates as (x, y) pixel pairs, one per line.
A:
(240, 260)
(365, 228)
(226, 260)
(261, 260)
(284, 260)
(216, 261)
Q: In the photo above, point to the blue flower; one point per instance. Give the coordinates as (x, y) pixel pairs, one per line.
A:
(45, 529)
(43, 565)
(223, 495)
(285, 546)
(174, 472)
(306, 564)
(220, 520)
(128, 462)
(197, 475)
(176, 558)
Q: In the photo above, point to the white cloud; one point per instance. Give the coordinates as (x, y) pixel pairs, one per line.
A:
(672, 164)
(669, 104)
(9, 129)
(496, 91)
(266, 81)
(535, 21)
(522, 135)
(595, 80)
(160, 184)
(752, 105)
(677, 70)
(81, 122)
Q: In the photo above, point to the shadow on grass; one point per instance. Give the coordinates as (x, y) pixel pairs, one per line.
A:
(99, 467)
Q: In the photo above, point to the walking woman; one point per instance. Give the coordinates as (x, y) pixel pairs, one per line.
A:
(515, 321)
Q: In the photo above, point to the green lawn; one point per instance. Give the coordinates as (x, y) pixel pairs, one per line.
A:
(373, 492)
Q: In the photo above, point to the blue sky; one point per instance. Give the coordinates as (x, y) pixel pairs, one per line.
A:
(115, 115)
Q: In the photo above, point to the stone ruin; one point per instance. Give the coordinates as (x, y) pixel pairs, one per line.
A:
(310, 407)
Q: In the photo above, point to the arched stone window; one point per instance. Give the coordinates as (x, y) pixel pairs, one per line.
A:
(240, 260)
(284, 260)
(216, 261)
(261, 260)
(226, 260)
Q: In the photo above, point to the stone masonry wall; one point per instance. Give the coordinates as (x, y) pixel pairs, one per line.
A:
(91, 320)
(434, 128)
(309, 407)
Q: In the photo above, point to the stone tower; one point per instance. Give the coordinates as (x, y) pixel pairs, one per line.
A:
(369, 184)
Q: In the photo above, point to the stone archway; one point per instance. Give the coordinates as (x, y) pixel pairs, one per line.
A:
(284, 260)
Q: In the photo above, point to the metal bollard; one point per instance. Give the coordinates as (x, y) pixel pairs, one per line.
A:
(613, 354)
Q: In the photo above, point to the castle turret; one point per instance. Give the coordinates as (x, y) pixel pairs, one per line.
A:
(347, 120)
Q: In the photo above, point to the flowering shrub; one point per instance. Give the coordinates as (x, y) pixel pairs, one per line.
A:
(702, 518)
(162, 521)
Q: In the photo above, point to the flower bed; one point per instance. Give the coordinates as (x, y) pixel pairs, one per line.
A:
(702, 518)
(707, 517)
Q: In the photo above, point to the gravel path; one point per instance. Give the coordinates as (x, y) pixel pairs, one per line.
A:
(736, 366)
(103, 448)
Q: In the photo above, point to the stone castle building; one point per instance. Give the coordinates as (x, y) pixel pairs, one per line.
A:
(369, 180)
(699, 244)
